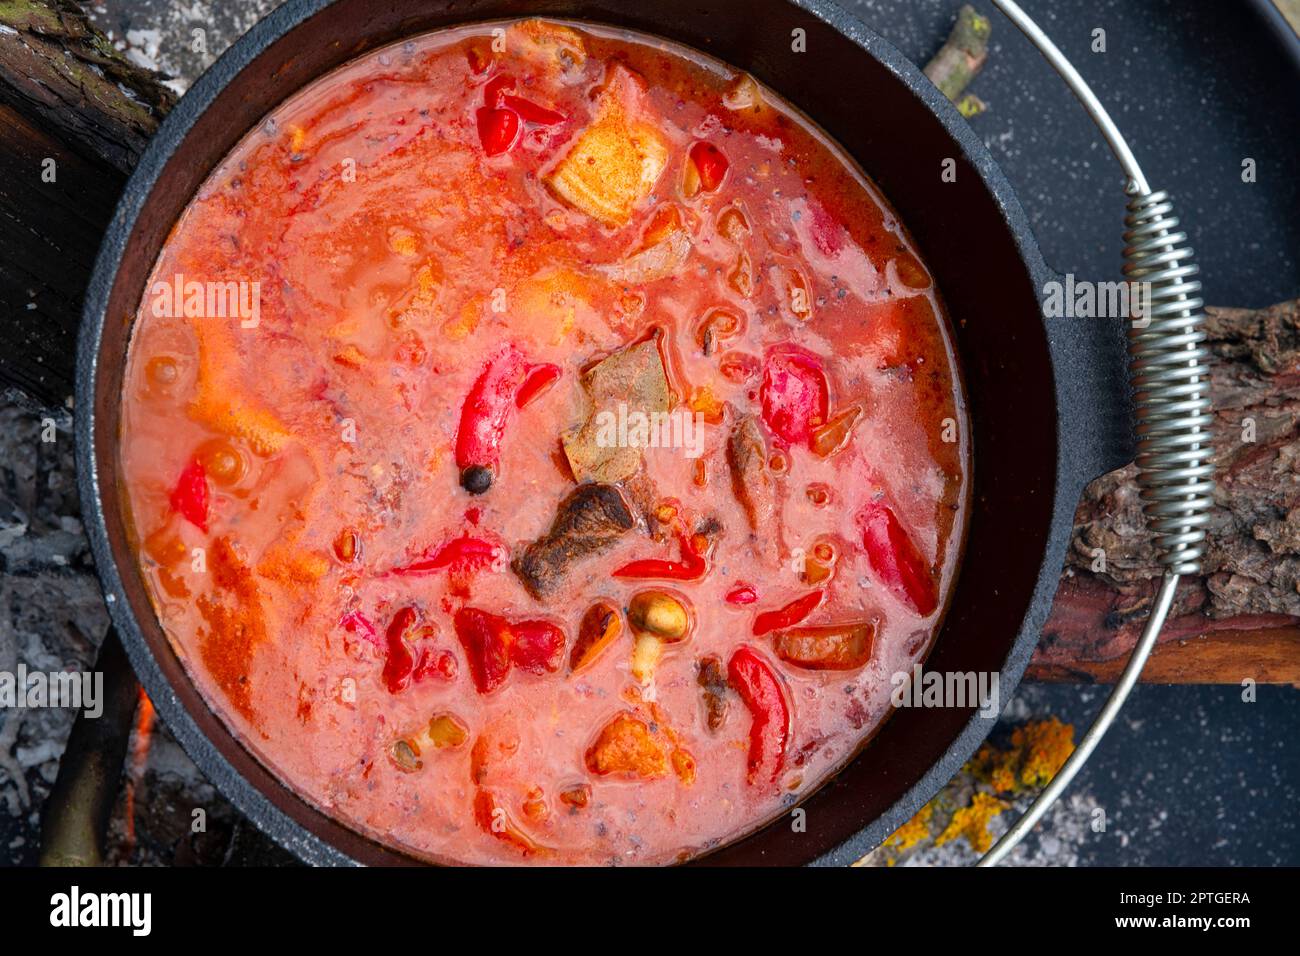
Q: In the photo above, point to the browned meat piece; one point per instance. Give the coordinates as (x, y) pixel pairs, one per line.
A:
(555, 47)
(712, 678)
(750, 480)
(588, 522)
(643, 495)
(631, 747)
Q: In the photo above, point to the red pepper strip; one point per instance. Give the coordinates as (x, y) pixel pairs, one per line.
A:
(794, 393)
(710, 163)
(190, 497)
(492, 644)
(896, 560)
(788, 616)
(484, 415)
(486, 639)
(690, 568)
(354, 622)
(539, 380)
(495, 89)
(400, 664)
(497, 130)
(538, 646)
(532, 112)
(458, 554)
(760, 688)
(742, 594)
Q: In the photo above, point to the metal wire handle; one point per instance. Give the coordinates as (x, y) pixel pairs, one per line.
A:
(1170, 383)
(1170, 379)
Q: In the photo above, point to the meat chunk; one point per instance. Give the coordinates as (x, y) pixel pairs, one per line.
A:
(712, 678)
(634, 379)
(588, 521)
(751, 481)
(616, 160)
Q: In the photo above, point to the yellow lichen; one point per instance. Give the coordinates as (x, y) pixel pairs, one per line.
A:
(973, 823)
(1035, 754)
(994, 767)
(1047, 744)
(914, 830)
(1037, 751)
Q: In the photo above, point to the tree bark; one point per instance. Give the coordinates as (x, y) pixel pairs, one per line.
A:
(1239, 619)
(67, 96)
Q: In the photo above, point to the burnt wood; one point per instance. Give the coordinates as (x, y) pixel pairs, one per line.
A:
(75, 116)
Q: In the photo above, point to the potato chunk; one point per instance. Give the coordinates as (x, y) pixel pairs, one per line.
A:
(615, 161)
(640, 749)
(626, 747)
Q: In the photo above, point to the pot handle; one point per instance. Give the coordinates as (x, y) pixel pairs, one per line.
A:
(1090, 365)
(1171, 405)
(76, 815)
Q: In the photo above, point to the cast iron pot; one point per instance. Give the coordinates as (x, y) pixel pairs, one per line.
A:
(1048, 400)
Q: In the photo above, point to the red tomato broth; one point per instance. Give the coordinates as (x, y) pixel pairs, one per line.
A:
(376, 321)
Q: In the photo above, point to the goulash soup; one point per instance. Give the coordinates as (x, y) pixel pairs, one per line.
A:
(543, 444)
